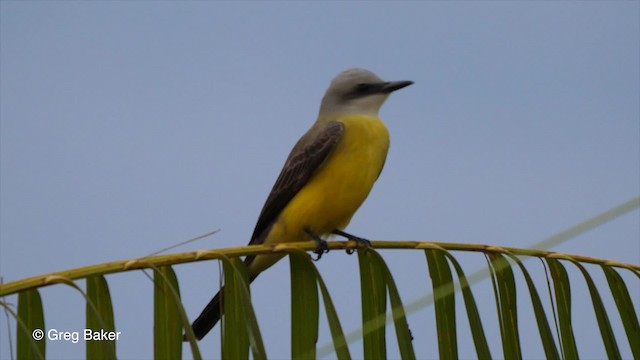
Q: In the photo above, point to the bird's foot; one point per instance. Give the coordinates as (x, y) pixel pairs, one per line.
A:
(361, 242)
(322, 248)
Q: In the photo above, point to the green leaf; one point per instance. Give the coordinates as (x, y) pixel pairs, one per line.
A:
(304, 307)
(373, 291)
(444, 303)
(477, 332)
(625, 308)
(403, 334)
(507, 306)
(30, 319)
(562, 290)
(337, 334)
(608, 338)
(239, 324)
(100, 321)
(546, 336)
(167, 330)
(235, 336)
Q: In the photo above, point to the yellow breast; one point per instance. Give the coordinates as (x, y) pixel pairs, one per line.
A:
(341, 184)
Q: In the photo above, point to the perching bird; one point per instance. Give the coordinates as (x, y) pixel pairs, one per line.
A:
(326, 177)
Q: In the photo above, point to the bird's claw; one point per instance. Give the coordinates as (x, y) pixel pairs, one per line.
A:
(360, 243)
(322, 248)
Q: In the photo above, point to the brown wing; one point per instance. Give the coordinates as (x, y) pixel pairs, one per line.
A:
(306, 157)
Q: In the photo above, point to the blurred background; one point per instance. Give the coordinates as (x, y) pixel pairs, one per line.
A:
(127, 127)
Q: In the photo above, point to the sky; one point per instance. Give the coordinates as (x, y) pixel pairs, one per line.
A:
(127, 127)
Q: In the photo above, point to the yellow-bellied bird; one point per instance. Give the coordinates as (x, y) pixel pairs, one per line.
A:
(326, 177)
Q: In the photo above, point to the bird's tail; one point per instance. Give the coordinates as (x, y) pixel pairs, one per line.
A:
(208, 318)
(211, 314)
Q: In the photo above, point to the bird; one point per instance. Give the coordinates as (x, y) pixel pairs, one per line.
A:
(326, 177)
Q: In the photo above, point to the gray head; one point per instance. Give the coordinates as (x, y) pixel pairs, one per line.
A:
(358, 91)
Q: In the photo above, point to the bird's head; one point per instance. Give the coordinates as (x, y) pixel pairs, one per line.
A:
(358, 91)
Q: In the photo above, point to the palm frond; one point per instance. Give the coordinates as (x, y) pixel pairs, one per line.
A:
(241, 333)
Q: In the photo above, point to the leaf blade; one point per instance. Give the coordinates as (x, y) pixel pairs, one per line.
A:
(625, 307)
(562, 290)
(444, 303)
(477, 331)
(403, 334)
(373, 296)
(304, 308)
(507, 306)
(167, 330)
(604, 324)
(235, 335)
(544, 329)
(31, 318)
(99, 313)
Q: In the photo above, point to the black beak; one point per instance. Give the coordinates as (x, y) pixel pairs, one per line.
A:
(392, 86)
(387, 87)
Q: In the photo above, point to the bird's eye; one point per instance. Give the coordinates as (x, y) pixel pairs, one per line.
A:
(362, 89)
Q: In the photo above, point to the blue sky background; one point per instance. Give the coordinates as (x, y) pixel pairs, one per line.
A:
(127, 127)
